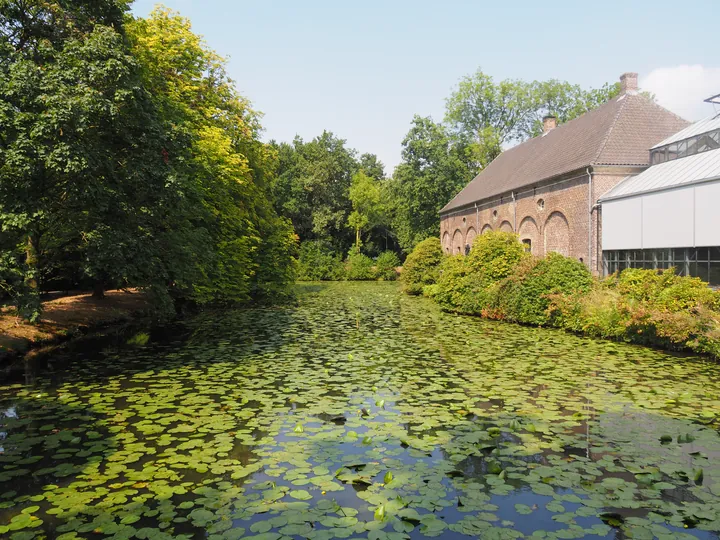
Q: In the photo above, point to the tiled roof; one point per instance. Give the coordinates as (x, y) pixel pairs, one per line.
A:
(702, 167)
(620, 132)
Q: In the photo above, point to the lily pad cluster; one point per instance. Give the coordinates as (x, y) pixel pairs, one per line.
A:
(362, 413)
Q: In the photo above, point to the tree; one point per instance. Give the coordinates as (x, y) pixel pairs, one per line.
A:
(565, 101)
(434, 167)
(225, 171)
(372, 166)
(365, 196)
(513, 109)
(313, 187)
(80, 147)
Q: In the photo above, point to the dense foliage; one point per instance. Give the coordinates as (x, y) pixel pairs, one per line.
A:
(646, 307)
(386, 266)
(469, 284)
(525, 295)
(512, 110)
(498, 280)
(318, 262)
(432, 171)
(421, 267)
(331, 194)
(129, 160)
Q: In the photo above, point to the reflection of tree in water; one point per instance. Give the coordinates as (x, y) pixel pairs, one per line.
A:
(46, 444)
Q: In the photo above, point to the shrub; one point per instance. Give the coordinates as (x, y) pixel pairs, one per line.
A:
(317, 262)
(525, 295)
(645, 307)
(358, 267)
(421, 267)
(470, 284)
(498, 280)
(665, 290)
(598, 313)
(495, 255)
(452, 287)
(386, 266)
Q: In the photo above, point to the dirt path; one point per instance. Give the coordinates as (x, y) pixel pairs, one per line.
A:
(65, 315)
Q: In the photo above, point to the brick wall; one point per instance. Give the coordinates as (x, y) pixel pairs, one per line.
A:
(553, 217)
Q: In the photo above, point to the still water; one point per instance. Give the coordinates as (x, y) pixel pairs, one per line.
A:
(361, 413)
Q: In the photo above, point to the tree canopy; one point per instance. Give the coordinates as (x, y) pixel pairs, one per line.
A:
(482, 116)
(129, 160)
(434, 168)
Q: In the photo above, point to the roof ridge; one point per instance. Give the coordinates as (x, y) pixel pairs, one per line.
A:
(605, 140)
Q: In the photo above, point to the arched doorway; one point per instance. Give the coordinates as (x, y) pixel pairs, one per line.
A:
(557, 234)
(457, 242)
(530, 235)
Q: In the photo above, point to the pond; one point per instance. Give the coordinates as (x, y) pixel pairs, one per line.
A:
(361, 413)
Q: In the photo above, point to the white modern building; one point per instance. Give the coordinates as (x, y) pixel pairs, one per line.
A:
(669, 215)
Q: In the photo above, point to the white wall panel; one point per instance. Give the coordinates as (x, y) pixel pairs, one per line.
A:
(667, 219)
(621, 224)
(707, 214)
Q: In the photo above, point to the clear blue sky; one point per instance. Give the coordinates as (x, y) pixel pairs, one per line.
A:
(363, 69)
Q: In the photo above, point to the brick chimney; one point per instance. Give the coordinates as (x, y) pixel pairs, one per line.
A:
(629, 83)
(549, 123)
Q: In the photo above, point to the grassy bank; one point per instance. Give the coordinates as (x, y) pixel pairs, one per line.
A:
(65, 316)
(498, 280)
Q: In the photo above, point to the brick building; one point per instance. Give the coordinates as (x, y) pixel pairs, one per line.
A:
(547, 188)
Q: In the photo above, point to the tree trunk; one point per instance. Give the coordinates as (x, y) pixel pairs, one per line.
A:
(98, 290)
(31, 259)
(357, 238)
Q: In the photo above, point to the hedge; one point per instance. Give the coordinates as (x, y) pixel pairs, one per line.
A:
(498, 280)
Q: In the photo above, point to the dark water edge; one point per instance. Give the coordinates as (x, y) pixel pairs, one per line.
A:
(287, 422)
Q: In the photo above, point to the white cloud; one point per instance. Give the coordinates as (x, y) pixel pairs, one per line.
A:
(682, 89)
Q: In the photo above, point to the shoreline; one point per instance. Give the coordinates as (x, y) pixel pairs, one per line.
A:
(65, 318)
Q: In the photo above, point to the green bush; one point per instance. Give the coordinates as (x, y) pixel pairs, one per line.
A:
(452, 287)
(665, 289)
(498, 280)
(645, 307)
(470, 284)
(525, 295)
(317, 262)
(422, 266)
(358, 267)
(386, 266)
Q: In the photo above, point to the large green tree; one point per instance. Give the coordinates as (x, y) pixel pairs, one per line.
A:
(481, 109)
(434, 167)
(81, 148)
(225, 171)
(313, 187)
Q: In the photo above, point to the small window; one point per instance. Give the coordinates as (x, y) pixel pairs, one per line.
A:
(494, 214)
(527, 244)
(541, 204)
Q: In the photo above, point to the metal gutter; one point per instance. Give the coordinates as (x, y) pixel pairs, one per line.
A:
(659, 190)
